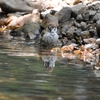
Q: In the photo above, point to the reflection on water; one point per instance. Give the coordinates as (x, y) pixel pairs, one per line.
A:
(23, 75)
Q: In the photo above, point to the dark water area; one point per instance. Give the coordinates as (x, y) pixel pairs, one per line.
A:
(24, 77)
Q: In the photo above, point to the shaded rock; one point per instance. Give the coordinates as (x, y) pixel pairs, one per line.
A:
(92, 32)
(79, 18)
(85, 34)
(98, 27)
(98, 41)
(78, 9)
(85, 15)
(64, 14)
(92, 13)
(96, 17)
(83, 26)
(13, 6)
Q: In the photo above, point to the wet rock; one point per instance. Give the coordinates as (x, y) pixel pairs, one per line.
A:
(77, 32)
(64, 14)
(78, 9)
(85, 15)
(91, 45)
(92, 13)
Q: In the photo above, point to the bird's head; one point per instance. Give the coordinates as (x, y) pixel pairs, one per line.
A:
(52, 28)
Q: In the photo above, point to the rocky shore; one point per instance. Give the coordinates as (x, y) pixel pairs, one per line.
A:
(77, 23)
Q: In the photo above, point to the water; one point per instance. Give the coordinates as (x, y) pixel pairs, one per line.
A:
(24, 77)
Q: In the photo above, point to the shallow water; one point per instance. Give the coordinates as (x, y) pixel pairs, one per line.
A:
(24, 77)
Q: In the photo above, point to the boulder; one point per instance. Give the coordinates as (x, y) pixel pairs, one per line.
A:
(78, 9)
(14, 6)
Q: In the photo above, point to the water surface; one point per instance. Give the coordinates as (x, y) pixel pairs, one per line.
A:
(24, 77)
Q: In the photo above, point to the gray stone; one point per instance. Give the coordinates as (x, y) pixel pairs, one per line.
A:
(78, 9)
(92, 13)
(79, 18)
(98, 27)
(96, 17)
(85, 34)
(83, 26)
(64, 14)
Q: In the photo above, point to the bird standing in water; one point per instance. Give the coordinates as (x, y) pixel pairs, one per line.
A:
(50, 36)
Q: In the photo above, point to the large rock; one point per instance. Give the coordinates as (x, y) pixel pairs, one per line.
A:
(15, 5)
(98, 27)
(64, 14)
(27, 5)
(78, 9)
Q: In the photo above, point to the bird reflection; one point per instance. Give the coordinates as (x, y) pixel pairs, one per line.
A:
(49, 60)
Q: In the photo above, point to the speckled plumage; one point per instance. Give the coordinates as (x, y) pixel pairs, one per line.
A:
(50, 36)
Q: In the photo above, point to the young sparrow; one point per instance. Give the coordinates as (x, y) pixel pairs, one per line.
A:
(50, 36)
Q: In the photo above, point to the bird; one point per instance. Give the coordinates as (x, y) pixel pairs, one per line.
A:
(50, 36)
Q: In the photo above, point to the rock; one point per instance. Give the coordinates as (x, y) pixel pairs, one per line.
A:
(92, 13)
(79, 18)
(96, 17)
(98, 27)
(90, 40)
(98, 41)
(64, 14)
(78, 9)
(85, 34)
(83, 26)
(32, 30)
(70, 32)
(13, 6)
(92, 32)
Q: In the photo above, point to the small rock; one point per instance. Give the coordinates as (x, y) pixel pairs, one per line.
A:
(79, 18)
(98, 41)
(83, 26)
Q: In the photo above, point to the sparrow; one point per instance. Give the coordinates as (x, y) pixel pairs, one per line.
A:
(50, 36)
